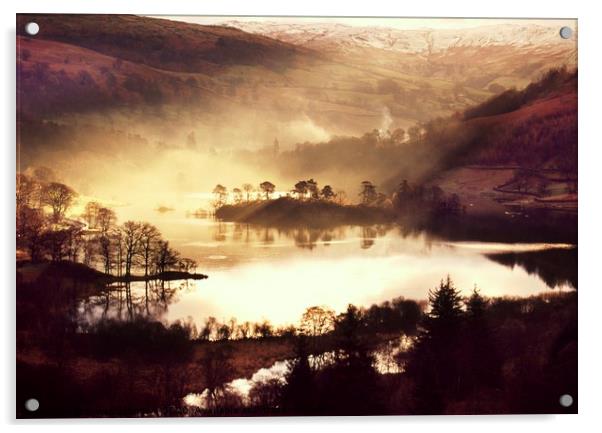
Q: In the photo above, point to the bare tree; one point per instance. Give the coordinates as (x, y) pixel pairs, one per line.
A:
(31, 225)
(132, 233)
(187, 265)
(165, 257)
(105, 221)
(317, 321)
(59, 197)
(90, 214)
(149, 238)
(26, 189)
(248, 189)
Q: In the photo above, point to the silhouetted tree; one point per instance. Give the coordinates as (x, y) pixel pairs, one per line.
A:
(327, 192)
(368, 192)
(132, 233)
(300, 189)
(31, 226)
(434, 363)
(267, 188)
(90, 214)
(237, 195)
(149, 238)
(317, 321)
(59, 197)
(312, 188)
(165, 257)
(221, 195)
(248, 189)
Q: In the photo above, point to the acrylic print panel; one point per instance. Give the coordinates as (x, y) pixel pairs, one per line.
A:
(226, 216)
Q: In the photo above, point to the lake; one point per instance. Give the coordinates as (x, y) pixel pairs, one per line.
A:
(264, 273)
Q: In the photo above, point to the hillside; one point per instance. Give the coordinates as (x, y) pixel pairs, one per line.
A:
(164, 44)
(525, 153)
(331, 79)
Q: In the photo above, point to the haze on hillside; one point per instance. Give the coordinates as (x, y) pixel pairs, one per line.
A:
(174, 98)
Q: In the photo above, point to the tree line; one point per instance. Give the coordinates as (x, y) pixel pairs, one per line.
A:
(46, 231)
(468, 355)
(407, 196)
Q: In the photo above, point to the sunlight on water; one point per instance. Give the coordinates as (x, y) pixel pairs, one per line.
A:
(385, 362)
(258, 273)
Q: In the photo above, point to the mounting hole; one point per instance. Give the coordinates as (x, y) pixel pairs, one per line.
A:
(32, 28)
(32, 405)
(566, 400)
(566, 32)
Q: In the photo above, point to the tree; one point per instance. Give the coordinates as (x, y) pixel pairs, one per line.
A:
(475, 305)
(165, 257)
(300, 189)
(341, 197)
(105, 222)
(187, 265)
(312, 187)
(149, 237)
(264, 329)
(31, 225)
(317, 321)
(90, 214)
(267, 188)
(105, 219)
(237, 195)
(59, 197)
(63, 241)
(132, 233)
(245, 330)
(368, 192)
(247, 188)
(26, 189)
(445, 305)
(221, 195)
(435, 361)
(327, 192)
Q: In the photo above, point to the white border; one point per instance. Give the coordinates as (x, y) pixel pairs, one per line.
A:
(590, 99)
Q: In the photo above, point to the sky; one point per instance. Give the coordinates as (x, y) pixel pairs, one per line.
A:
(396, 23)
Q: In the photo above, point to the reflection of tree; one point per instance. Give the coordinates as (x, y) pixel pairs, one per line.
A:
(237, 232)
(220, 231)
(555, 267)
(268, 236)
(368, 236)
(131, 300)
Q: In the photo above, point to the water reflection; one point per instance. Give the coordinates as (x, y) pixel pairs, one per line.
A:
(259, 273)
(131, 300)
(263, 273)
(389, 358)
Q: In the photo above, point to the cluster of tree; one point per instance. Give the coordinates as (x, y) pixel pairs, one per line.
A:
(94, 238)
(398, 315)
(413, 197)
(246, 193)
(214, 330)
(470, 355)
(509, 100)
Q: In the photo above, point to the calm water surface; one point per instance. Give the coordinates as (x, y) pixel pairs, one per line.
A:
(258, 273)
